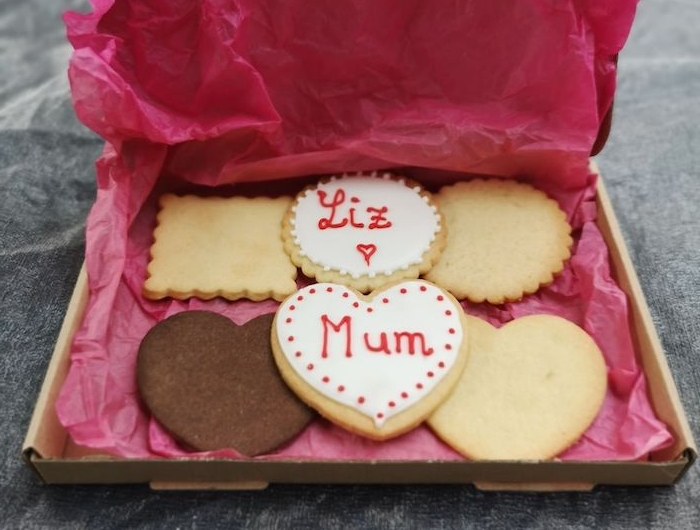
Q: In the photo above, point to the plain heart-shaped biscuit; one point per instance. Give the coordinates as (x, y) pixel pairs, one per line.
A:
(530, 389)
(377, 365)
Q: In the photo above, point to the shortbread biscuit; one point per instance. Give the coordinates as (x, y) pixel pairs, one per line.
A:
(214, 385)
(376, 365)
(364, 230)
(530, 390)
(206, 247)
(505, 239)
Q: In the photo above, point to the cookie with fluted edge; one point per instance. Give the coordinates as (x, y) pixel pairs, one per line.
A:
(505, 239)
(206, 247)
(364, 230)
(529, 391)
(375, 364)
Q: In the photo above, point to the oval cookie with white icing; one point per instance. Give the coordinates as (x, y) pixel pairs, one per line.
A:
(364, 230)
(376, 365)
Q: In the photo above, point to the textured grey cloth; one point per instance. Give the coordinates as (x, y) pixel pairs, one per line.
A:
(47, 187)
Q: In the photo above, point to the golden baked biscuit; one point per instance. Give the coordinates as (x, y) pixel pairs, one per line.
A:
(530, 390)
(206, 247)
(505, 239)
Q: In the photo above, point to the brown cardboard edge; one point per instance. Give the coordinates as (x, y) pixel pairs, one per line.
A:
(256, 474)
(45, 434)
(55, 459)
(665, 398)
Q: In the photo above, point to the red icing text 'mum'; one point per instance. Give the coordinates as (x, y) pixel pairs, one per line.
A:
(378, 357)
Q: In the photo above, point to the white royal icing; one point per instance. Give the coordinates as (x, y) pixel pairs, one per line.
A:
(327, 335)
(364, 225)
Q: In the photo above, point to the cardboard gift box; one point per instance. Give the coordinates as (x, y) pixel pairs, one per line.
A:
(251, 93)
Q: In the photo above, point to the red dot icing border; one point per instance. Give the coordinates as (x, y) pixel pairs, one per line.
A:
(336, 341)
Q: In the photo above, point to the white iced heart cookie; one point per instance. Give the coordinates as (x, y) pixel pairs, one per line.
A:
(377, 365)
(530, 389)
(364, 230)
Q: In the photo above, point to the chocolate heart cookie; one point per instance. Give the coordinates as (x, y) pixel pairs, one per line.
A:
(214, 385)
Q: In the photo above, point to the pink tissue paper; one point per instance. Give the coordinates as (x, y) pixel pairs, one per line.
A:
(256, 94)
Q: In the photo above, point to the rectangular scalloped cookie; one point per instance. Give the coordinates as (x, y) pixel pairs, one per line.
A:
(206, 247)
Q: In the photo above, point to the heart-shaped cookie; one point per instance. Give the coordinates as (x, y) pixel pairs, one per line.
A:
(377, 365)
(530, 389)
(214, 385)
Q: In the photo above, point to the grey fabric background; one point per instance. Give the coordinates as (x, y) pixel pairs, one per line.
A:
(47, 186)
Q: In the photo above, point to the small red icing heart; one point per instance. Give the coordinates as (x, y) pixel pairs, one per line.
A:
(367, 251)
